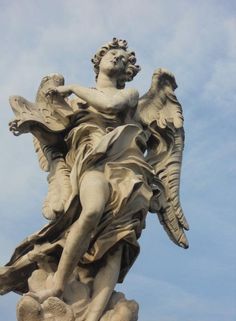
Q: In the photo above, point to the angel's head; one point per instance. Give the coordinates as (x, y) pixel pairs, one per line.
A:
(115, 59)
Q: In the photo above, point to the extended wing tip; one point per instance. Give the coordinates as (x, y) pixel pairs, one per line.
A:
(183, 242)
(184, 246)
(186, 227)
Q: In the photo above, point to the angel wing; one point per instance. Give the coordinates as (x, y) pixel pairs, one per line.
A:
(47, 119)
(161, 114)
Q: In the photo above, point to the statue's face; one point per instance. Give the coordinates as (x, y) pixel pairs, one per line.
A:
(113, 63)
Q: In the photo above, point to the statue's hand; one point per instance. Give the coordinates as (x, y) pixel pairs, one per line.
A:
(61, 90)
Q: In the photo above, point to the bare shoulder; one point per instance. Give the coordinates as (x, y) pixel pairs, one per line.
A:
(132, 96)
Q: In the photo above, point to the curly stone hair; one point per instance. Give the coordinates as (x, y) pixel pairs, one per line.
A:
(131, 68)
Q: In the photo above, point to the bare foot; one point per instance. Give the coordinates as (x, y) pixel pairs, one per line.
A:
(43, 295)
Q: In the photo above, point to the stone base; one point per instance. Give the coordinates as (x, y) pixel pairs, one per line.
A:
(54, 309)
(75, 303)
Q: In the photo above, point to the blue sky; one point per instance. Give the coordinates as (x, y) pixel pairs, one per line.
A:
(196, 40)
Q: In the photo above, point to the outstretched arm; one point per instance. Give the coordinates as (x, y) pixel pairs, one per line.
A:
(100, 100)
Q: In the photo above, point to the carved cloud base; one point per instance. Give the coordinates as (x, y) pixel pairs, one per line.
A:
(75, 303)
(54, 309)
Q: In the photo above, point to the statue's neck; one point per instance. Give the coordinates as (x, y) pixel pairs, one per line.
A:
(105, 81)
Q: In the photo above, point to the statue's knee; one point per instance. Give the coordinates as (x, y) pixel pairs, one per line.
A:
(90, 219)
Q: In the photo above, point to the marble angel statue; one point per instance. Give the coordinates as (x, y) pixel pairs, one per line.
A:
(112, 157)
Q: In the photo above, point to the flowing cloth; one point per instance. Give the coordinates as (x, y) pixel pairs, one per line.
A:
(97, 142)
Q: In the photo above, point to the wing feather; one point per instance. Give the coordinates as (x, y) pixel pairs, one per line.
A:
(47, 119)
(161, 113)
(43, 162)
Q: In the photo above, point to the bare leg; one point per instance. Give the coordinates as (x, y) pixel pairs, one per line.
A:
(94, 193)
(104, 284)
